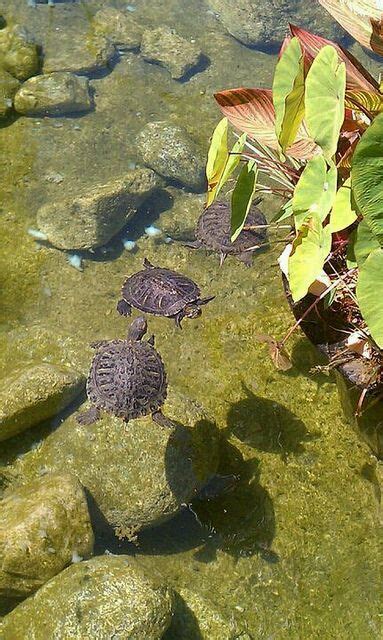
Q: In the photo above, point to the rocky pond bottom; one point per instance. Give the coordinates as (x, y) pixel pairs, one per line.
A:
(120, 530)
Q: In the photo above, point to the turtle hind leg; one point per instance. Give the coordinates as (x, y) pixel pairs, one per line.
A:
(88, 417)
(246, 257)
(148, 264)
(124, 308)
(222, 258)
(192, 244)
(159, 418)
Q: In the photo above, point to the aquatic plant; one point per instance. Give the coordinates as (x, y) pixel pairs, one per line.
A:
(316, 140)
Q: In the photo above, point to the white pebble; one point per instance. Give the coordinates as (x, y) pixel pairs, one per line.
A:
(152, 231)
(168, 240)
(75, 260)
(35, 233)
(76, 557)
(130, 7)
(129, 245)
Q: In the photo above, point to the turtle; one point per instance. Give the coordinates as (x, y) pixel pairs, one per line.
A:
(161, 292)
(213, 232)
(127, 378)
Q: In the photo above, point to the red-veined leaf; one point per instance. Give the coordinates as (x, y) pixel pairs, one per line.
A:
(363, 19)
(364, 101)
(251, 111)
(357, 77)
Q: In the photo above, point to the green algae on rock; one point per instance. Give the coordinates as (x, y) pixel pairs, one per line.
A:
(53, 94)
(8, 88)
(165, 47)
(34, 394)
(84, 53)
(169, 150)
(138, 473)
(18, 52)
(44, 526)
(90, 219)
(119, 27)
(106, 597)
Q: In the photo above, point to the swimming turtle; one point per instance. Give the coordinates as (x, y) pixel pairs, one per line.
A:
(127, 378)
(161, 292)
(213, 232)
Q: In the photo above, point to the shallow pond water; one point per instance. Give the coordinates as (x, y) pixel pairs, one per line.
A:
(293, 551)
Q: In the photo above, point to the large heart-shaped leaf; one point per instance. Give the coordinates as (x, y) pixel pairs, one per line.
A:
(315, 190)
(324, 99)
(368, 294)
(357, 77)
(363, 243)
(361, 18)
(242, 198)
(289, 94)
(343, 209)
(251, 111)
(367, 176)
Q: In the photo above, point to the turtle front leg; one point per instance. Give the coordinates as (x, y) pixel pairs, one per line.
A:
(124, 308)
(205, 300)
(178, 319)
(88, 417)
(159, 418)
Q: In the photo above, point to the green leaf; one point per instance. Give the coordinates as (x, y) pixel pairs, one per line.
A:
(289, 94)
(217, 158)
(310, 250)
(364, 242)
(343, 210)
(286, 211)
(367, 292)
(324, 99)
(367, 176)
(232, 162)
(315, 190)
(242, 198)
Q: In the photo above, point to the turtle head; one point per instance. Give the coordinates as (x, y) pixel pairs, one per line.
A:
(192, 310)
(137, 329)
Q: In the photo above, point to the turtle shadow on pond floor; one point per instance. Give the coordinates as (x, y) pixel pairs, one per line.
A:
(267, 425)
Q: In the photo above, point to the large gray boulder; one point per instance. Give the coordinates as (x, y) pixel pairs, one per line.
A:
(119, 27)
(53, 94)
(34, 394)
(44, 526)
(169, 150)
(106, 598)
(165, 47)
(8, 88)
(91, 219)
(138, 473)
(264, 23)
(18, 52)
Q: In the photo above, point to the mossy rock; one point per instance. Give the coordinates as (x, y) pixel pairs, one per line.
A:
(138, 473)
(165, 47)
(19, 54)
(104, 598)
(8, 88)
(118, 27)
(53, 94)
(44, 526)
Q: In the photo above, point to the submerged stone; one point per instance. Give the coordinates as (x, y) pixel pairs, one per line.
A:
(169, 150)
(104, 598)
(44, 525)
(8, 88)
(165, 47)
(34, 394)
(93, 218)
(138, 473)
(77, 52)
(119, 27)
(53, 94)
(18, 52)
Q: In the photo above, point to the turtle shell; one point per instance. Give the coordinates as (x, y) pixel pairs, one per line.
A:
(161, 292)
(127, 379)
(214, 229)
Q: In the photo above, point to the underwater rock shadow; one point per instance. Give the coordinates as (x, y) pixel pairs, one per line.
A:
(267, 425)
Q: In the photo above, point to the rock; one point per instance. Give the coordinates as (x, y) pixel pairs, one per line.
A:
(44, 526)
(138, 473)
(8, 88)
(89, 54)
(19, 54)
(34, 394)
(119, 27)
(164, 47)
(195, 618)
(53, 94)
(169, 150)
(264, 23)
(93, 218)
(104, 598)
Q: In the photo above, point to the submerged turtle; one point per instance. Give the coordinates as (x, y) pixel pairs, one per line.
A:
(161, 292)
(213, 232)
(127, 378)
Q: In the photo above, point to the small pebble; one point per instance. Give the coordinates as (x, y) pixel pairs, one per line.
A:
(131, 7)
(168, 240)
(35, 233)
(56, 178)
(76, 557)
(131, 166)
(75, 260)
(152, 231)
(129, 245)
